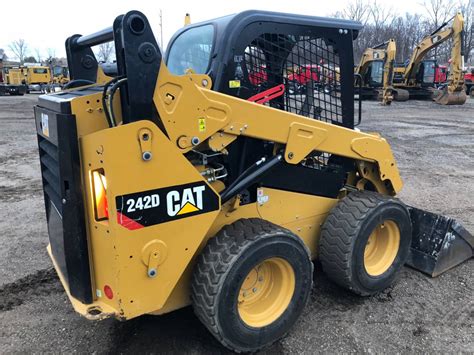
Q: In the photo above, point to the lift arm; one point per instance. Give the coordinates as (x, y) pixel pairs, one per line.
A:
(192, 114)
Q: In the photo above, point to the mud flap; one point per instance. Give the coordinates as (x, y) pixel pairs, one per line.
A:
(438, 244)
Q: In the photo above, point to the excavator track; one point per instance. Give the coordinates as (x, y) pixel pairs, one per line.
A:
(401, 95)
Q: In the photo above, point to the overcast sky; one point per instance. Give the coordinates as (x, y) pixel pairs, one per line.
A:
(36, 21)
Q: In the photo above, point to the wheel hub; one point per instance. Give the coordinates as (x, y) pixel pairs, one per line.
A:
(266, 292)
(381, 248)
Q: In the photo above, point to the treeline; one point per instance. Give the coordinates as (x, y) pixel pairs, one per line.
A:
(382, 23)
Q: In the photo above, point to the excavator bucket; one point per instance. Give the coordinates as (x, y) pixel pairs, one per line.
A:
(444, 97)
(439, 243)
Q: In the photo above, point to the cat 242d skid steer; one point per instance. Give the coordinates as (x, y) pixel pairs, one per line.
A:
(181, 180)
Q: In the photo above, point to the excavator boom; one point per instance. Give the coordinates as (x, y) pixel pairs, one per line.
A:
(452, 94)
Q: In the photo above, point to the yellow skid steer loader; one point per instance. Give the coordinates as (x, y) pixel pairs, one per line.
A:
(198, 179)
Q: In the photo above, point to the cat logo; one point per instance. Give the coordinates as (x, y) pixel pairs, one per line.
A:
(190, 200)
(151, 207)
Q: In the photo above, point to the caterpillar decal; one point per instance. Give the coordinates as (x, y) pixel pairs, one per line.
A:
(147, 208)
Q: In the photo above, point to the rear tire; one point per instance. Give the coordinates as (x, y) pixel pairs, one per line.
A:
(251, 283)
(365, 241)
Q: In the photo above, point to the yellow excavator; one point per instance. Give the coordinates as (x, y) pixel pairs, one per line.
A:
(375, 71)
(181, 180)
(413, 76)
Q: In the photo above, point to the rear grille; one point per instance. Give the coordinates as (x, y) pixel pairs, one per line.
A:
(49, 161)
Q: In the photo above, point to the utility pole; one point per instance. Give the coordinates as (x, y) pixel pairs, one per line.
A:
(161, 27)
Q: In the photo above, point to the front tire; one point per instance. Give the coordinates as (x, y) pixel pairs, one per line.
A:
(365, 241)
(251, 283)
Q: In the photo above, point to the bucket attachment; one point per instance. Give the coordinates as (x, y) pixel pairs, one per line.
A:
(438, 243)
(444, 97)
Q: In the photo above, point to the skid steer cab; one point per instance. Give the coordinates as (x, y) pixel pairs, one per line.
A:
(182, 180)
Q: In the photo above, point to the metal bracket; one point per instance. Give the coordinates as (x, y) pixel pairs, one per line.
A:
(302, 140)
(145, 140)
(154, 254)
(153, 260)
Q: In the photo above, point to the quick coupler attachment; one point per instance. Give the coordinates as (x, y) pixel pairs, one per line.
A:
(438, 244)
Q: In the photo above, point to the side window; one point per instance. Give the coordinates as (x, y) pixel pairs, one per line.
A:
(40, 70)
(307, 66)
(192, 49)
(313, 77)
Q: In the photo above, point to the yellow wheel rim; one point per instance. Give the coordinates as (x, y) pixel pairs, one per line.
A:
(381, 248)
(266, 292)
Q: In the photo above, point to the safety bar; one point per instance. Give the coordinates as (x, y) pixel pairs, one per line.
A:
(94, 39)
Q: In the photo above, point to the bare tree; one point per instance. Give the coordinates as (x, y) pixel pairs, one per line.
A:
(439, 11)
(51, 52)
(467, 9)
(29, 59)
(105, 51)
(19, 49)
(380, 15)
(3, 56)
(51, 56)
(357, 10)
(38, 54)
(382, 23)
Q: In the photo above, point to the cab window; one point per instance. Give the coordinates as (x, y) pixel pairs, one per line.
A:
(191, 50)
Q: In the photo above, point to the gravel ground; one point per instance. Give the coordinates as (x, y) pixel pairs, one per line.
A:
(434, 147)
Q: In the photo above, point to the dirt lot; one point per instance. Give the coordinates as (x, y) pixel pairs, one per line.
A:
(434, 146)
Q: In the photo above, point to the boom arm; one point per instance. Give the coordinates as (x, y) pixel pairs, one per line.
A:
(433, 40)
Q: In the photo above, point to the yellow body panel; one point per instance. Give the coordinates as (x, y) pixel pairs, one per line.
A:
(14, 76)
(117, 252)
(121, 258)
(37, 75)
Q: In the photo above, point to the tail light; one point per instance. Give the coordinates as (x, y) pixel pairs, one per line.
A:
(99, 187)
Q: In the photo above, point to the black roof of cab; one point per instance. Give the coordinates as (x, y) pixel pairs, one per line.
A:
(231, 25)
(233, 34)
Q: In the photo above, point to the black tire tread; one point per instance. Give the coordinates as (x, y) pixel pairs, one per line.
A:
(212, 267)
(339, 232)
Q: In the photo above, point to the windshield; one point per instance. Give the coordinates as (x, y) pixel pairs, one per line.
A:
(57, 71)
(428, 72)
(191, 50)
(376, 75)
(40, 70)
